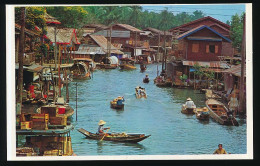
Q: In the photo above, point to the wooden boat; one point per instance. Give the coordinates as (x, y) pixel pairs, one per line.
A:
(142, 94)
(220, 113)
(127, 63)
(119, 137)
(162, 83)
(142, 67)
(80, 70)
(146, 80)
(202, 113)
(117, 105)
(210, 95)
(185, 110)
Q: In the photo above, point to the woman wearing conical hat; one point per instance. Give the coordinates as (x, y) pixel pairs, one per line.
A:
(101, 128)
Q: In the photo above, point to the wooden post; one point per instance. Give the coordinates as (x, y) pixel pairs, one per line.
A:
(55, 47)
(135, 43)
(157, 58)
(67, 88)
(76, 101)
(59, 72)
(110, 41)
(242, 108)
(20, 59)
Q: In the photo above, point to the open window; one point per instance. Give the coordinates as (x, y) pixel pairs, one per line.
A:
(211, 48)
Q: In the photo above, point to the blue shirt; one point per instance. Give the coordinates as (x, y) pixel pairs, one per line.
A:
(100, 128)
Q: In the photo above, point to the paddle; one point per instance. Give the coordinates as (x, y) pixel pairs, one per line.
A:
(104, 135)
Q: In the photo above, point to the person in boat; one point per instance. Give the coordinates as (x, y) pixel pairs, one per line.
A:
(120, 100)
(220, 150)
(189, 103)
(146, 77)
(101, 128)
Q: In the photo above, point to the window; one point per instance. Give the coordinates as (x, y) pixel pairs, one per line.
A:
(212, 49)
(195, 48)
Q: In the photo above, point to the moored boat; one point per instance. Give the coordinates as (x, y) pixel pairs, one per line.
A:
(80, 70)
(117, 103)
(127, 63)
(202, 113)
(220, 113)
(118, 137)
(140, 92)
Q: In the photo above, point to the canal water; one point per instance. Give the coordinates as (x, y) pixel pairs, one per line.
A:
(172, 133)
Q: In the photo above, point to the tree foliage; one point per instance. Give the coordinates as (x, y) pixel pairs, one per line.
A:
(236, 31)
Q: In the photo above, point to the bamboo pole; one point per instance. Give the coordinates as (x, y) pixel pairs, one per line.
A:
(59, 72)
(20, 59)
(76, 101)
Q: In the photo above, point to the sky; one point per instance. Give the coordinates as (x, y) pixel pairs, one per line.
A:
(222, 12)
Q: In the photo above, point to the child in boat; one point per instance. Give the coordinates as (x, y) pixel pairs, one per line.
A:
(101, 128)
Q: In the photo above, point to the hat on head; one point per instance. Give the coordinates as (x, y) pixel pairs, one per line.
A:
(188, 98)
(146, 74)
(101, 122)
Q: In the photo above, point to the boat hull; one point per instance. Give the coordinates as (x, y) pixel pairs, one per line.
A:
(115, 106)
(131, 138)
(146, 80)
(126, 66)
(219, 113)
(200, 115)
(187, 110)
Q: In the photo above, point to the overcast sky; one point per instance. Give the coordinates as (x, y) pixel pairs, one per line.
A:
(220, 12)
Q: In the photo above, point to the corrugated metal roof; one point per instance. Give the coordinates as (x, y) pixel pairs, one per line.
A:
(35, 68)
(114, 33)
(198, 29)
(129, 27)
(102, 42)
(85, 49)
(212, 64)
(157, 31)
(235, 70)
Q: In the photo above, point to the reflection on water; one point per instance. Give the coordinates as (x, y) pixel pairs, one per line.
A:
(159, 115)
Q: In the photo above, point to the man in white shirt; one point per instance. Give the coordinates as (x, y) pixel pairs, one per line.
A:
(189, 103)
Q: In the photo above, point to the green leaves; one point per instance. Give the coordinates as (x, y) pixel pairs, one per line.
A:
(236, 31)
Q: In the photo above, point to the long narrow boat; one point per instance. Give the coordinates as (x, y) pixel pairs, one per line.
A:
(127, 63)
(120, 137)
(220, 113)
(140, 92)
(80, 70)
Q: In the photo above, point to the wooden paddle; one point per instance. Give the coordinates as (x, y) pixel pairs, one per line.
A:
(104, 135)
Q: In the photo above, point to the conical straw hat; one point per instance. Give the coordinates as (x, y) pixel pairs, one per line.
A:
(101, 122)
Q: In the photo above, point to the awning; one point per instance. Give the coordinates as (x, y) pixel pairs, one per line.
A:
(211, 64)
(235, 70)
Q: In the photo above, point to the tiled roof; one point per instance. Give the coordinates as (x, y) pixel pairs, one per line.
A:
(64, 36)
(30, 32)
(51, 20)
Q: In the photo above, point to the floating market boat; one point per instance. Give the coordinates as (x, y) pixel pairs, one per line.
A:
(160, 82)
(146, 80)
(80, 70)
(118, 137)
(202, 113)
(185, 110)
(220, 113)
(117, 103)
(140, 92)
(143, 67)
(210, 95)
(127, 63)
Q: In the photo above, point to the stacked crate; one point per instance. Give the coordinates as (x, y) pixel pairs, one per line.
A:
(40, 121)
(56, 115)
(25, 122)
(25, 151)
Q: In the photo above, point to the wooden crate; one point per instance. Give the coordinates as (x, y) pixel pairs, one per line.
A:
(26, 125)
(52, 111)
(58, 120)
(39, 125)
